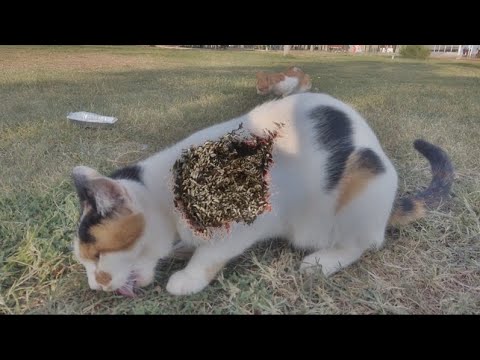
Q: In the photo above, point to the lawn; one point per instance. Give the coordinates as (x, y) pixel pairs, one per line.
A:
(163, 95)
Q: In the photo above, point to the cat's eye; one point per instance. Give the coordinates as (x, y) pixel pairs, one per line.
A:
(97, 256)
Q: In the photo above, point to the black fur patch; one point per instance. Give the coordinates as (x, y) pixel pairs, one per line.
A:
(406, 205)
(368, 159)
(91, 219)
(84, 194)
(133, 172)
(442, 171)
(334, 134)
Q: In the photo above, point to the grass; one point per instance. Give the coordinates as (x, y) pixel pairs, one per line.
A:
(162, 95)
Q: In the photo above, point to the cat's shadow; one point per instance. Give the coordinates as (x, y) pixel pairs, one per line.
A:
(265, 252)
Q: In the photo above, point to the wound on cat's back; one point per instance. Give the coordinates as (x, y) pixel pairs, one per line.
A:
(224, 181)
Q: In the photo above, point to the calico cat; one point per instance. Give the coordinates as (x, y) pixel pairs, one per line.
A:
(292, 81)
(332, 192)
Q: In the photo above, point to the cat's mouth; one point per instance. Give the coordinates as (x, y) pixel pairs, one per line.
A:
(128, 289)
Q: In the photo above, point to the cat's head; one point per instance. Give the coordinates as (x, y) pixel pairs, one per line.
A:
(263, 83)
(114, 232)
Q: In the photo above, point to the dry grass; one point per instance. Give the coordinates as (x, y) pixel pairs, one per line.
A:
(162, 95)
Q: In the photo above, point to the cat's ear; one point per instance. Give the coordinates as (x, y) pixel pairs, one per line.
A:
(100, 192)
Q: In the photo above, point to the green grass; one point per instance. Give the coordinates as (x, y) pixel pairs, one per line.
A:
(160, 96)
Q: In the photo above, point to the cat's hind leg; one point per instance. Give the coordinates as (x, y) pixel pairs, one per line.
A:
(338, 257)
(363, 206)
(330, 260)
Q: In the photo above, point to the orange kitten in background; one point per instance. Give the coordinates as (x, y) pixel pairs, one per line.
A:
(292, 81)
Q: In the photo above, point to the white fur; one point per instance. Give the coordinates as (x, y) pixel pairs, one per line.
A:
(302, 211)
(286, 86)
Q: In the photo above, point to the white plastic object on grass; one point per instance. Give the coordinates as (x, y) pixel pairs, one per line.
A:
(91, 119)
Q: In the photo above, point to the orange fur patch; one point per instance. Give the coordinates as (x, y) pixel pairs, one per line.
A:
(265, 81)
(262, 82)
(275, 78)
(354, 179)
(294, 71)
(103, 278)
(402, 217)
(306, 82)
(89, 251)
(113, 235)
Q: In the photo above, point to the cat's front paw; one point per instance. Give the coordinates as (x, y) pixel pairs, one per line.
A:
(310, 269)
(313, 264)
(184, 283)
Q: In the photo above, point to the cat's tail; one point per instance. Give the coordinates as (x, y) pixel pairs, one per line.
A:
(411, 208)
